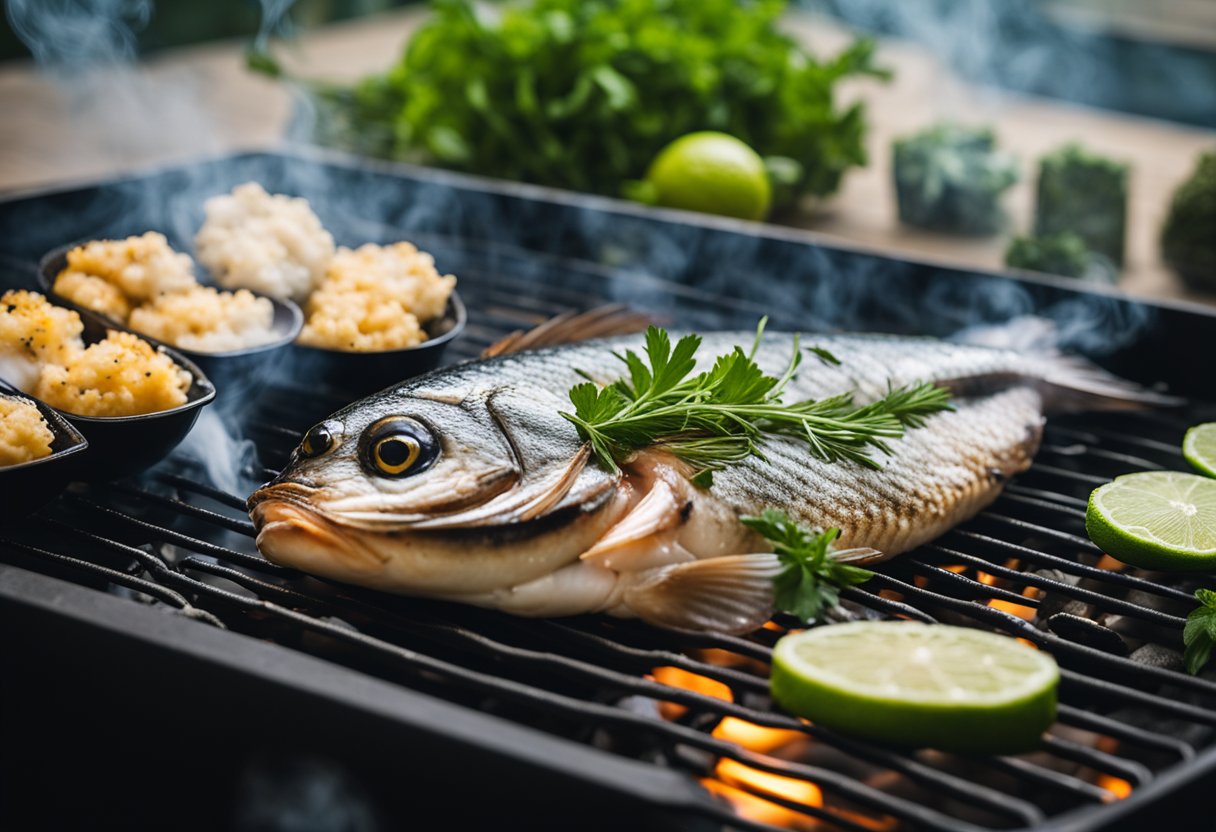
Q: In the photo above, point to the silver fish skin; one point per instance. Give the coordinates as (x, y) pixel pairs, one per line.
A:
(505, 508)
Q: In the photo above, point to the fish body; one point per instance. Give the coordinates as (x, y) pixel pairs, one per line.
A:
(467, 483)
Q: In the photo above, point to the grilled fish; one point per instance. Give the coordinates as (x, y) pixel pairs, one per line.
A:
(467, 484)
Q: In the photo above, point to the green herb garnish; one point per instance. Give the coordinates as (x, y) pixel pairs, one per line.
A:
(810, 579)
(1199, 635)
(582, 94)
(722, 416)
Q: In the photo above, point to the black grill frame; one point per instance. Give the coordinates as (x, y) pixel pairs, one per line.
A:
(27, 597)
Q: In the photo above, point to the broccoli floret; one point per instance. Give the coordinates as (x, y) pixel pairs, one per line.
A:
(1188, 238)
(951, 178)
(1063, 254)
(1086, 194)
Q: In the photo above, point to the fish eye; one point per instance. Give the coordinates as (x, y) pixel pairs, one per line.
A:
(317, 441)
(398, 447)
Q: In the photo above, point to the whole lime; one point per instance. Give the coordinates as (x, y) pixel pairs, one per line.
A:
(711, 172)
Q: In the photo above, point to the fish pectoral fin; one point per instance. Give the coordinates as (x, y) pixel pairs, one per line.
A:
(861, 556)
(658, 511)
(729, 594)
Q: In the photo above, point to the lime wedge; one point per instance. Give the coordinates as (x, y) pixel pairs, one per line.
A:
(1156, 519)
(1199, 448)
(913, 685)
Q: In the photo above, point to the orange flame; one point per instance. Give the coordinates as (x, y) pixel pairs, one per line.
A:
(732, 775)
(1119, 788)
(1020, 610)
(678, 678)
(753, 736)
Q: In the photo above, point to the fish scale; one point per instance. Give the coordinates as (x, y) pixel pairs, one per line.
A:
(936, 476)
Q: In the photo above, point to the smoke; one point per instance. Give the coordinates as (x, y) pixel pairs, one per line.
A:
(88, 48)
(219, 451)
(73, 36)
(1039, 47)
(274, 22)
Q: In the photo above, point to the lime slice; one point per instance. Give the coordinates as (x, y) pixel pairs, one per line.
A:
(1199, 448)
(1156, 519)
(914, 685)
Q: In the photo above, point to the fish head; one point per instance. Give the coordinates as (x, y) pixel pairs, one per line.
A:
(438, 490)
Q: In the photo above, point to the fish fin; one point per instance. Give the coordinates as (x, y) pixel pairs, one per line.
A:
(729, 594)
(1069, 384)
(1072, 385)
(862, 556)
(658, 511)
(569, 327)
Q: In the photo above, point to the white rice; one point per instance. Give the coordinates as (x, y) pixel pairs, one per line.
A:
(273, 244)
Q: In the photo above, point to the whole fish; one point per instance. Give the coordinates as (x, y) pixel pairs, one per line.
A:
(467, 484)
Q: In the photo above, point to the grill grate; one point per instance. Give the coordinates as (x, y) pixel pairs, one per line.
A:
(1126, 716)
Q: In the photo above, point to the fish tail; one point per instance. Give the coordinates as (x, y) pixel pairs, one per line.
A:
(1069, 384)
(1073, 385)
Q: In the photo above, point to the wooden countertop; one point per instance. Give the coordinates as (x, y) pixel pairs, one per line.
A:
(201, 101)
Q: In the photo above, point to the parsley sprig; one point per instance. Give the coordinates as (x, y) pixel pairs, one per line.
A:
(721, 416)
(1199, 634)
(810, 579)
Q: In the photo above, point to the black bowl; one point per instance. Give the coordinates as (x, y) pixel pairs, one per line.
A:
(27, 486)
(124, 445)
(237, 374)
(363, 373)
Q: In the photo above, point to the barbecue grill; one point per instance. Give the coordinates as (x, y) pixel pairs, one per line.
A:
(159, 672)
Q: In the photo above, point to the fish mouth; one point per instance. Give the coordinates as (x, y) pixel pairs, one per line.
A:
(291, 532)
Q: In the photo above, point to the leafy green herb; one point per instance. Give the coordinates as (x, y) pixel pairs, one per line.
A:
(723, 415)
(1199, 634)
(811, 579)
(583, 94)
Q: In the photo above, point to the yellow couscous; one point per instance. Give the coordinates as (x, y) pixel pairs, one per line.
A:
(143, 283)
(140, 268)
(376, 298)
(121, 375)
(34, 333)
(24, 434)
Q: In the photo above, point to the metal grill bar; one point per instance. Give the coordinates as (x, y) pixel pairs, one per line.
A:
(680, 696)
(1031, 579)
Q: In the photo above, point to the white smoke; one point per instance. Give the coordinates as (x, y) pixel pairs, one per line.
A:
(88, 49)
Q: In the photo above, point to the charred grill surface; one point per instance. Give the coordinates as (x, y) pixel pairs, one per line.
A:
(1131, 722)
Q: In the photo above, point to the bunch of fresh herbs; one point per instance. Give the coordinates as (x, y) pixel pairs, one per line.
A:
(583, 93)
(723, 415)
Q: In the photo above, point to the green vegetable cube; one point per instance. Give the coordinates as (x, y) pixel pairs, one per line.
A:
(1086, 194)
(1188, 238)
(951, 178)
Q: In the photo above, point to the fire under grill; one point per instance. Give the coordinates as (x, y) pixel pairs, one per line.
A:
(657, 724)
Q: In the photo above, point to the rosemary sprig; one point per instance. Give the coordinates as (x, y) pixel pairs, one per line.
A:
(810, 579)
(723, 415)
